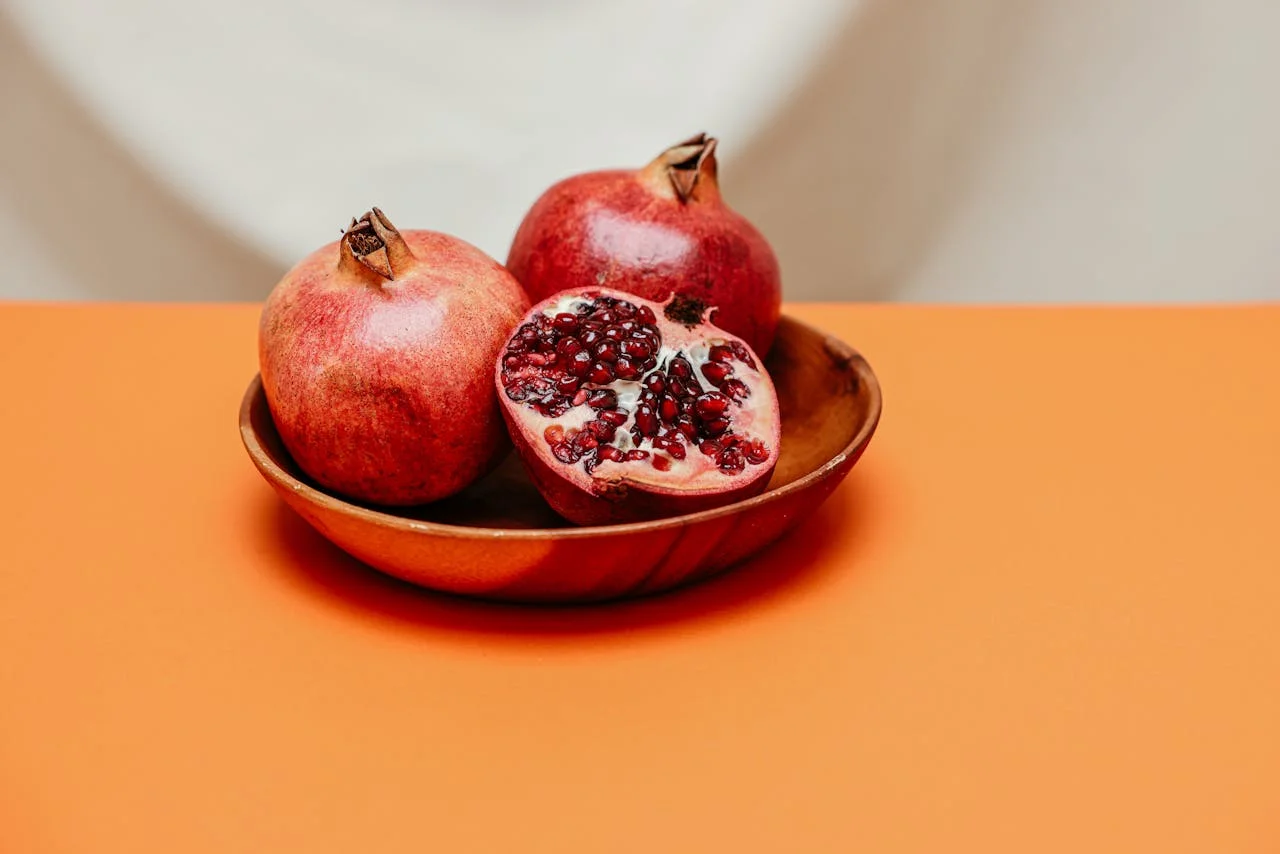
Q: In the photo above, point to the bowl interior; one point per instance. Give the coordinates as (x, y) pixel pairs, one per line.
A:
(828, 395)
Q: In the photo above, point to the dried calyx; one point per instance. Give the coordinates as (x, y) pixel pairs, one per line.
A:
(689, 164)
(372, 243)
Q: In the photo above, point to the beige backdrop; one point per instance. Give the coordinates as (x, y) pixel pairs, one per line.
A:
(1027, 150)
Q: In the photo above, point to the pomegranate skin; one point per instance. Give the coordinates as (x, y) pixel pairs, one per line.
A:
(381, 389)
(651, 232)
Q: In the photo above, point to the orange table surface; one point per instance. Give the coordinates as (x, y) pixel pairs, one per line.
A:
(1040, 616)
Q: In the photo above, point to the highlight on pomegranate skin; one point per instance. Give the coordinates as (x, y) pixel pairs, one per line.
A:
(659, 230)
(624, 409)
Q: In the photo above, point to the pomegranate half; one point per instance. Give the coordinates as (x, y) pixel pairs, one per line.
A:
(377, 356)
(652, 232)
(624, 409)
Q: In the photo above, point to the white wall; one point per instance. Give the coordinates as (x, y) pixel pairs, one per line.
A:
(1025, 150)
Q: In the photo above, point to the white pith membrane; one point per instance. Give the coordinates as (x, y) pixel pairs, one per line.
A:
(660, 469)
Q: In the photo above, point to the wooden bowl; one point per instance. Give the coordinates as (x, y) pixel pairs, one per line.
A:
(499, 540)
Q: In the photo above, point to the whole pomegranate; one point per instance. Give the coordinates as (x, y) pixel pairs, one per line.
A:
(652, 232)
(625, 409)
(377, 361)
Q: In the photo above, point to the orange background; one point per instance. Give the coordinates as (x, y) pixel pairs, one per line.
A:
(1040, 616)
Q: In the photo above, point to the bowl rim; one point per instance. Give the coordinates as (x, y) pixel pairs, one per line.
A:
(839, 350)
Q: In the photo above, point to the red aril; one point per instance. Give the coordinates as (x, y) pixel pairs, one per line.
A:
(625, 409)
(652, 232)
(377, 355)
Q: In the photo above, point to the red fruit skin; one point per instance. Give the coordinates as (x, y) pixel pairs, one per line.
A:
(627, 230)
(382, 390)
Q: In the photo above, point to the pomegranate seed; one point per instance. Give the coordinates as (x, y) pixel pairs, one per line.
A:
(687, 428)
(645, 315)
(636, 349)
(757, 452)
(680, 367)
(606, 351)
(537, 360)
(740, 350)
(677, 388)
(670, 445)
(651, 341)
(602, 398)
(736, 389)
(591, 337)
(720, 353)
(609, 452)
(512, 362)
(565, 453)
(646, 420)
(711, 404)
(613, 416)
(580, 363)
(565, 322)
(730, 461)
(600, 374)
(603, 431)
(634, 456)
(661, 463)
(516, 346)
(568, 346)
(716, 373)
(553, 434)
(555, 410)
(655, 383)
(625, 310)
(715, 427)
(649, 398)
(614, 333)
(710, 447)
(669, 409)
(580, 397)
(649, 364)
(625, 369)
(568, 384)
(585, 440)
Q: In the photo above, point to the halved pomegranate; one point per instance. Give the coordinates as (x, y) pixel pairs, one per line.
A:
(624, 409)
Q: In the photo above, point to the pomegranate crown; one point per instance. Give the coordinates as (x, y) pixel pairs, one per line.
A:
(686, 163)
(374, 244)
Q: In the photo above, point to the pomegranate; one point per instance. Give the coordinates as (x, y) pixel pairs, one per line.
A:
(651, 232)
(377, 354)
(625, 409)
